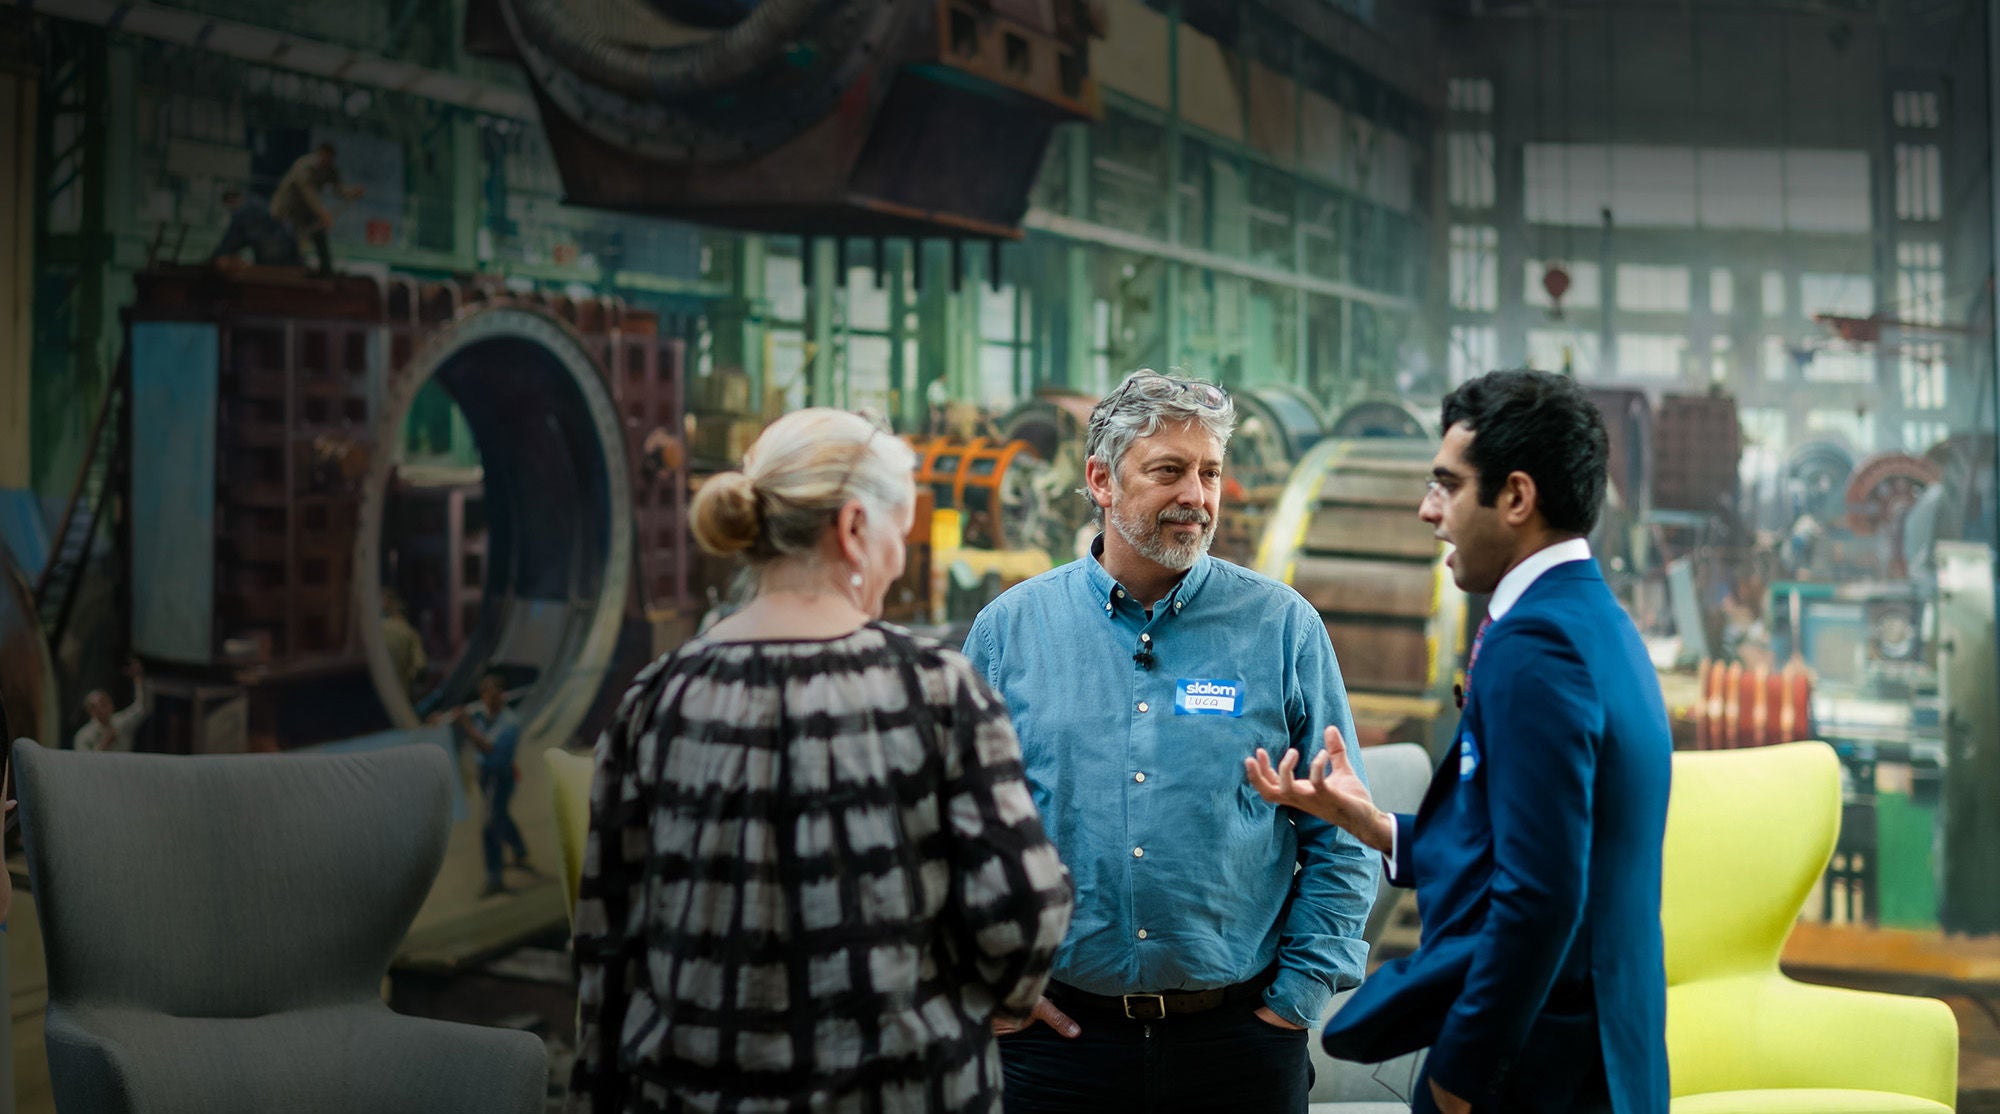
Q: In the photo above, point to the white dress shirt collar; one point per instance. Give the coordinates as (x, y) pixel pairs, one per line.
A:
(1508, 592)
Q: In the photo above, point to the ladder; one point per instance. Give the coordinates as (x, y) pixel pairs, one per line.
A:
(69, 553)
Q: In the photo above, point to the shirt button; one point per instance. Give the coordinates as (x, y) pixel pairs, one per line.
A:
(1145, 638)
(1138, 777)
(1138, 852)
(1142, 705)
(1119, 592)
(1142, 934)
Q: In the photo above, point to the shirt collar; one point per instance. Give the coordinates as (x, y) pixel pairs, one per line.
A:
(1518, 578)
(1105, 589)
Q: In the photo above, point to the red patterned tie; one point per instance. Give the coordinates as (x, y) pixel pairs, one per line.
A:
(1472, 659)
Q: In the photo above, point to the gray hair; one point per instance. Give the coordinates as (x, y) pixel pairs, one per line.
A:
(1147, 400)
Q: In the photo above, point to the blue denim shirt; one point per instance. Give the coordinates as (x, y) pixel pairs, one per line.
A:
(1185, 878)
(504, 730)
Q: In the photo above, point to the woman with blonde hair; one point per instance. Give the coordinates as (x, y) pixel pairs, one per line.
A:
(814, 871)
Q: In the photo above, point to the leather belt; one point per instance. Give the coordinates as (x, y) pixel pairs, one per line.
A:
(1155, 1007)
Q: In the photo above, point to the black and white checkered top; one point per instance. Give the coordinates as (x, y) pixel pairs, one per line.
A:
(804, 890)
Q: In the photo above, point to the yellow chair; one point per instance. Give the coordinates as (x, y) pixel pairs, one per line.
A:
(570, 773)
(1748, 833)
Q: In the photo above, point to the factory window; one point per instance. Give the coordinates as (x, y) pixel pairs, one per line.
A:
(1774, 294)
(1268, 212)
(1919, 182)
(1779, 359)
(1835, 365)
(1469, 169)
(1924, 378)
(1836, 295)
(1560, 349)
(1857, 426)
(1003, 358)
(1475, 283)
(867, 378)
(1582, 292)
(1919, 436)
(1472, 95)
(1322, 223)
(1474, 351)
(1919, 282)
(1721, 291)
(1649, 289)
(785, 286)
(1764, 444)
(1719, 348)
(1658, 356)
(1915, 109)
(1643, 186)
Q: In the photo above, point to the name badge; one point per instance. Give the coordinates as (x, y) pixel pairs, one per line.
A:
(1468, 758)
(1208, 698)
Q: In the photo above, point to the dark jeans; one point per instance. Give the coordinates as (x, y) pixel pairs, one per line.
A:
(1223, 1060)
(499, 830)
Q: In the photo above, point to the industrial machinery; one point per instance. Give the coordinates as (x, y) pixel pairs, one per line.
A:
(993, 486)
(1880, 494)
(1345, 533)
(258, 565)
(1381, 417)
(897, 118)
(1276, 425)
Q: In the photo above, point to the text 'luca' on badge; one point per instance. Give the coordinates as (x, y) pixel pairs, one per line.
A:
(1208, 698)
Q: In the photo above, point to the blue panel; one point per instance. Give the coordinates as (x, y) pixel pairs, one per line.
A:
(173, 490)
(23, 531)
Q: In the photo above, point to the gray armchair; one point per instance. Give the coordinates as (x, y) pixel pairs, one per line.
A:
(217, 930)
(1398, 774)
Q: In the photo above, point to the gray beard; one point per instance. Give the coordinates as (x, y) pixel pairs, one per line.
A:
(1152, 544)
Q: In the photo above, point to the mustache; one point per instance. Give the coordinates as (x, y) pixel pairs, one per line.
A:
(1194, 515)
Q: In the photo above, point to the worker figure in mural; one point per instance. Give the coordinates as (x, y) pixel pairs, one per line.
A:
(495, 731)
(251, 225)
(298, 201)
(115, 730)
(406, 646)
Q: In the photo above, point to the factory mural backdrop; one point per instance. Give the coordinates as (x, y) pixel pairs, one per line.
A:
(358, 349)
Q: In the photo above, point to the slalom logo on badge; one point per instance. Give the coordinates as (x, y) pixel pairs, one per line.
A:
(1208, 698)
(1468, 757)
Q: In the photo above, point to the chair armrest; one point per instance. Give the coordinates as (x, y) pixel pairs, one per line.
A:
(87, 1070)
(1757, 1032)
(448, 1066)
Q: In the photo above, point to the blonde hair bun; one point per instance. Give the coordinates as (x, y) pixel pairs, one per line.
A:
(724, 515)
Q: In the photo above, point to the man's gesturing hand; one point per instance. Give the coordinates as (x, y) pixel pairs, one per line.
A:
(1332, 790)
(1045, 1012)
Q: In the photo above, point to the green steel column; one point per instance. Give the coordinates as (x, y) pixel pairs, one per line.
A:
(466, 177)
(825, 385)
(906, 399)
(736, 321)
(937, 351)
(1080, 300)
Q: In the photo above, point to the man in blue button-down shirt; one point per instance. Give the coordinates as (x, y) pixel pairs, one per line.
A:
(1211, 929)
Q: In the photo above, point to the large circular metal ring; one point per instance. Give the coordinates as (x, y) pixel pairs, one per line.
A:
(559, 507)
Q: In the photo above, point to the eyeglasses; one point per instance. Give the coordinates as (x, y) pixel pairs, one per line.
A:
(1206, 395)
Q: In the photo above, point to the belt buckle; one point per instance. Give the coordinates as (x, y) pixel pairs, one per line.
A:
(1151, 1007)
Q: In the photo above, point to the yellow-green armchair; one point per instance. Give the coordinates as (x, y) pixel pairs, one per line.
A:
(570, 773)
(1748, 832)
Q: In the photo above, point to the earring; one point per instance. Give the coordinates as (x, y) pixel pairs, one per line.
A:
(855, 580)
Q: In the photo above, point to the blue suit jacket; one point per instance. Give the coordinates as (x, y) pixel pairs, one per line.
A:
(1536, 858)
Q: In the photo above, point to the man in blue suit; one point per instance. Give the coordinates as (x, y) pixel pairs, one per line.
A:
(1540, 984)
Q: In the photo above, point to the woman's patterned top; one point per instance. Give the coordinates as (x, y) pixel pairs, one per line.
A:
(804, 889)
